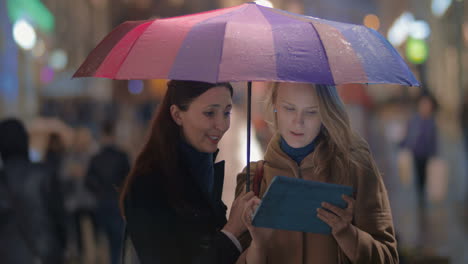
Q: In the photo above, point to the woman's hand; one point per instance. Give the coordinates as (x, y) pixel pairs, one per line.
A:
(235, 225)
(260, 235)
(339, 219)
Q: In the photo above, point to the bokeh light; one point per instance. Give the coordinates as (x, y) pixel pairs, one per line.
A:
(135, 86)
(419, 29)
(264, 3)
(372, 21)
(398, 32)
(416, 50)
(47, 75)
(158, 87)
(406, 26)
(24, 34)
(439, 7)
(58, 60)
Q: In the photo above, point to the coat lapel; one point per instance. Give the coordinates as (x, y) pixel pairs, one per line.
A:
(218, 180)
(219, 209)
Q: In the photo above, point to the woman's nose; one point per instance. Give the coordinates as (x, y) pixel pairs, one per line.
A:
(222, 124)
(299, 119)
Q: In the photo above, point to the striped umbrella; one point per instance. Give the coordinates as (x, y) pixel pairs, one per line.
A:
(248, 42)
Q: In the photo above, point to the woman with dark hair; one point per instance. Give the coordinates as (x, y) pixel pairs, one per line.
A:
(171, 199)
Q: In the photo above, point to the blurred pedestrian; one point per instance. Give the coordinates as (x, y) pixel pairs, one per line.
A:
(33, 230)
(421, 140)
(464, 124)
(55, 152)
(172, 197)
(54, 156)
(464, 120)
(80, 202)
(106, 172)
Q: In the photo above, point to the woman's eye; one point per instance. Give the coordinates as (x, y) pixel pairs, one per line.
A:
(311, 112)
(288, 108)
(209, 114)
(227, 114)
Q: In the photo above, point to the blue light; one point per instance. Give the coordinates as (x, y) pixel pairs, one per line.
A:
(9, 86)
(135, 86)
(440, 6)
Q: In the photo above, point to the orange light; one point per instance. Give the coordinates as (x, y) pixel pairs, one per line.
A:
(158, 87)
(372, 21)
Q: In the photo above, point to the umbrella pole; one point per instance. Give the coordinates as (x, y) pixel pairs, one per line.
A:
(249, 119)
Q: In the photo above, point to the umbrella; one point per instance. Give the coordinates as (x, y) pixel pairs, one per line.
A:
(248, 42)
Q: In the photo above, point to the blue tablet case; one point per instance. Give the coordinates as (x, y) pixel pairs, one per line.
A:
(291, 204)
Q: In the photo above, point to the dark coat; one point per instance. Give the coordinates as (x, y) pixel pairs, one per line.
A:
(464, 121)
(160, 234)
(106, 172)
(34, 224)
(421, 137)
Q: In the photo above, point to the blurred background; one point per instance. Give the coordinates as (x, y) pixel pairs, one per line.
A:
(42, 43)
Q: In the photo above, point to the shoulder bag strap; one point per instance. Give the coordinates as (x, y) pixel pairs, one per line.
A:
(258, 177)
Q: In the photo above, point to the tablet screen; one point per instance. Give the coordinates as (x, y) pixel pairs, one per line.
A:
(291, 204)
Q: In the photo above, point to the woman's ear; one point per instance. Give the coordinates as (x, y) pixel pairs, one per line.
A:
(176, 114)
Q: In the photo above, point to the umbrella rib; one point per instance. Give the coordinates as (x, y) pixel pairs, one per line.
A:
(224, 37)
(133, 44)
(323, 47)
(221, 55)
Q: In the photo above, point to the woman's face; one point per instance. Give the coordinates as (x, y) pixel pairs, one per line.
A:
(425, 107)
(297, 115)
(206, 119)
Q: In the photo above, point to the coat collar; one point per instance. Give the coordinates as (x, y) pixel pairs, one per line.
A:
(218, 180)
(215, 154)
(278, 158)
(218, 177)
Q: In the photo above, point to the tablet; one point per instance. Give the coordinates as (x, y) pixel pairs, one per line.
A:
(291, 204)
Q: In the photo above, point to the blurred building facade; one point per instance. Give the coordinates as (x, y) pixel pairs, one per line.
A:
(29, 78)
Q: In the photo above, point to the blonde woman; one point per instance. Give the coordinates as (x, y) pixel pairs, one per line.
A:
(313, 140)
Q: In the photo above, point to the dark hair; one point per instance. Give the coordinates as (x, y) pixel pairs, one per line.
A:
(55, 143)
(428, 95)
(107, 128)
(158, 152)
(14, 140)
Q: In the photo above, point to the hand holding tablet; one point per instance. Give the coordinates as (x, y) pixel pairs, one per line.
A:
(292, 203)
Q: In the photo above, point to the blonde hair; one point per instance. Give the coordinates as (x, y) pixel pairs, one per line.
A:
(338, 146)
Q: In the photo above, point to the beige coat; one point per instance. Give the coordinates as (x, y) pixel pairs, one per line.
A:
(372, 228)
